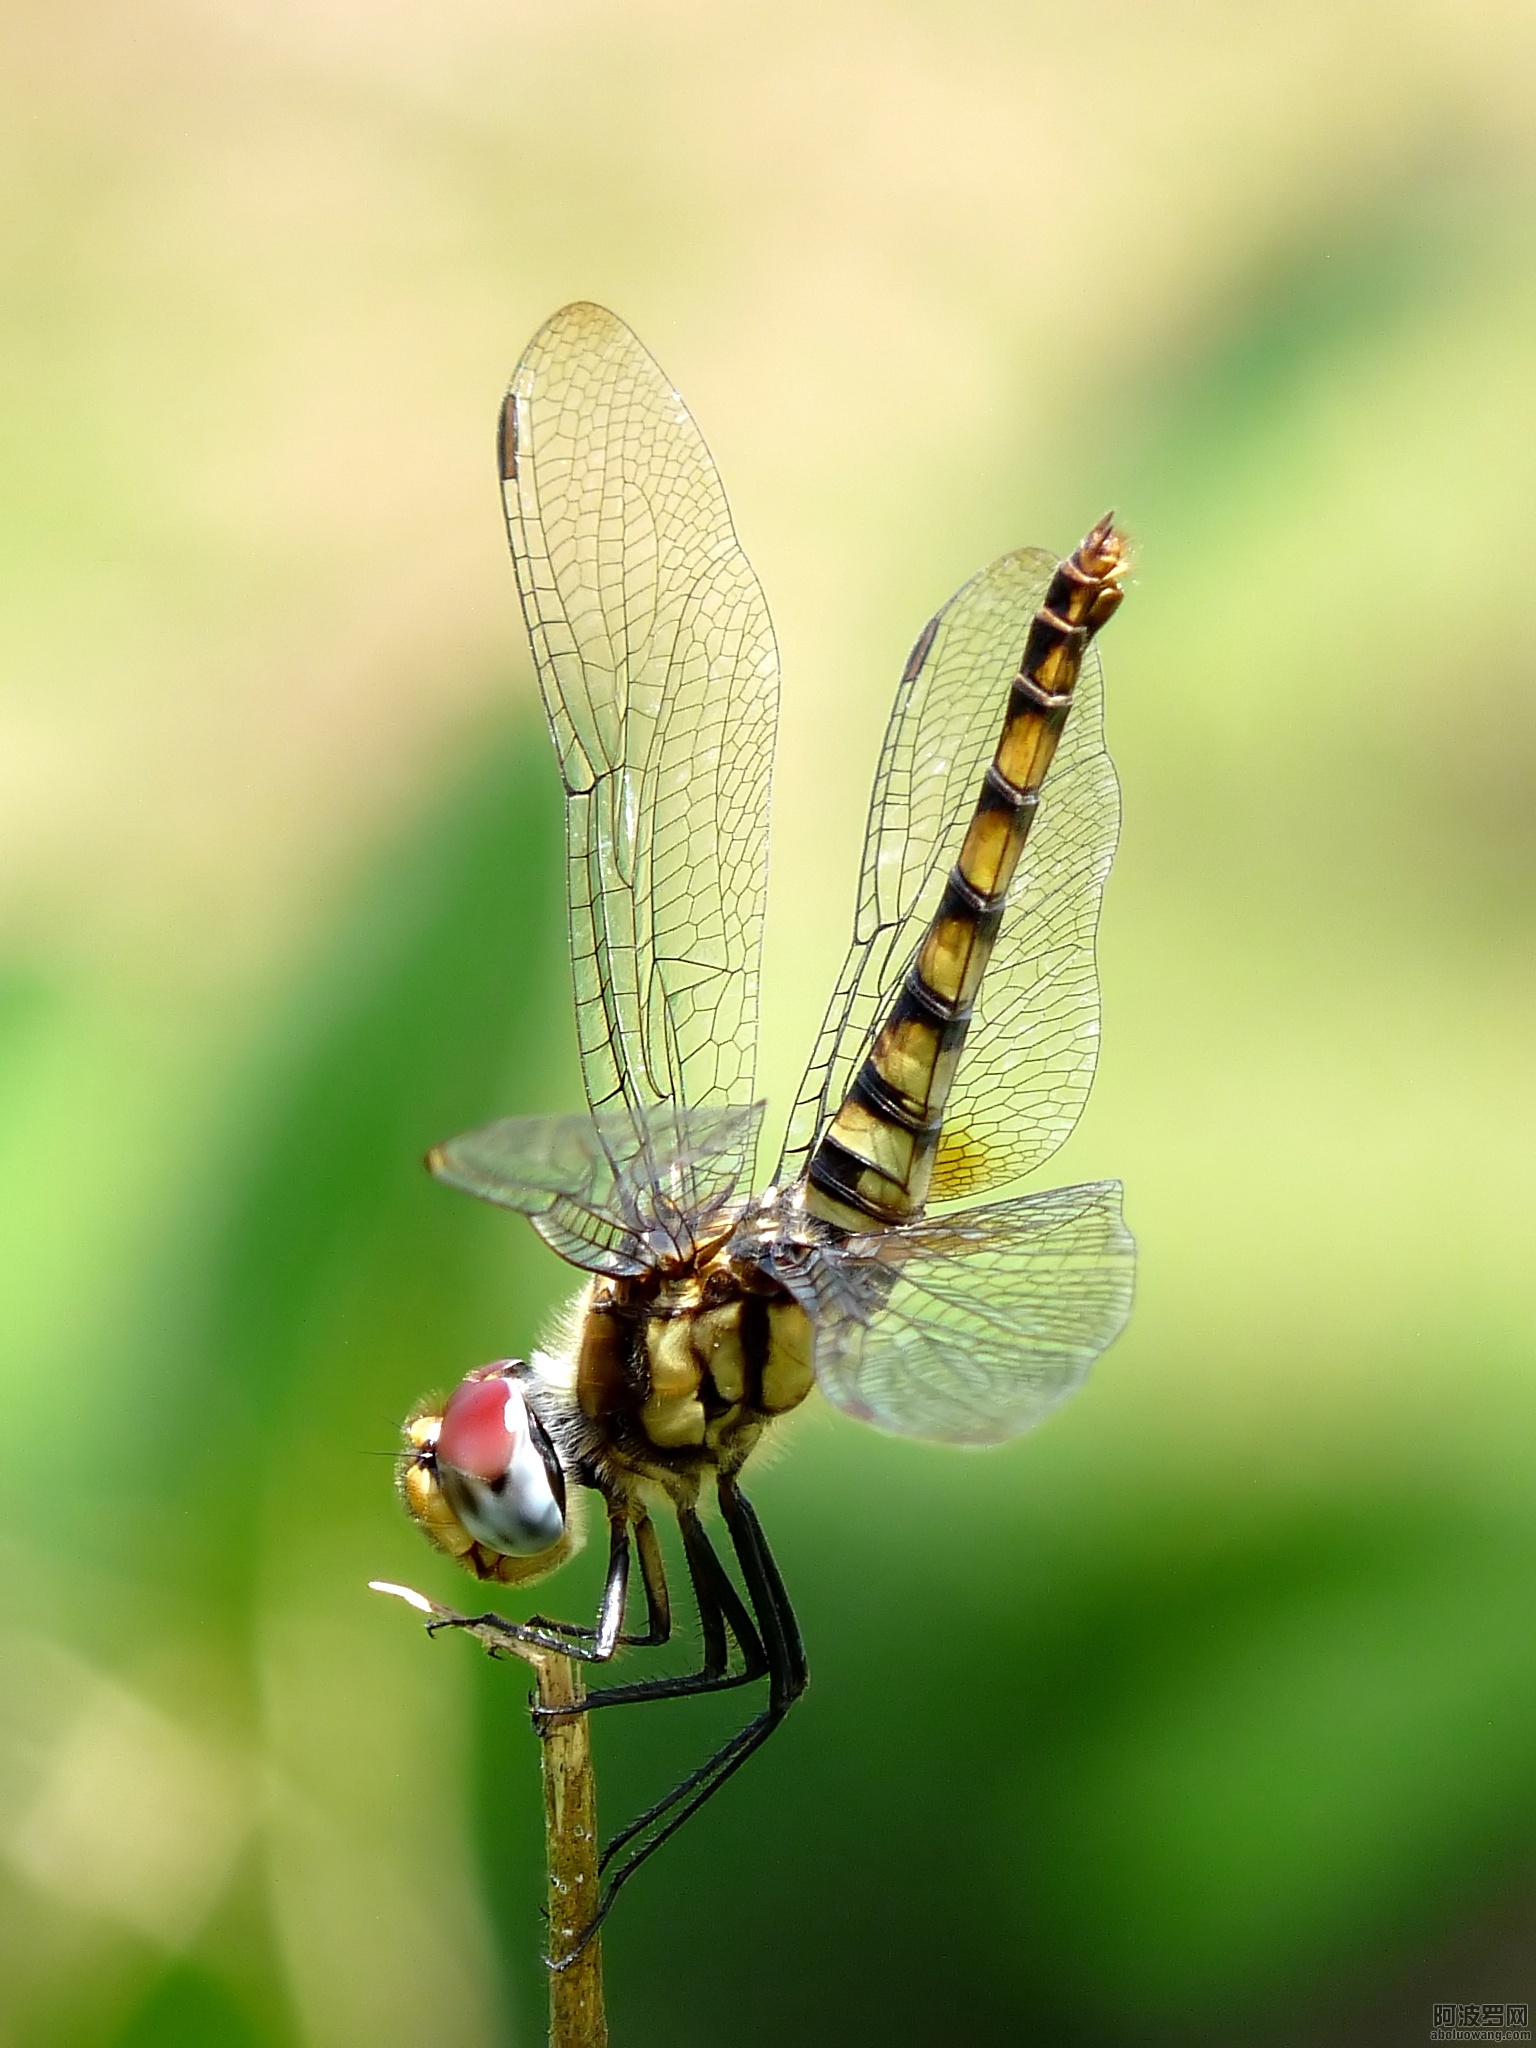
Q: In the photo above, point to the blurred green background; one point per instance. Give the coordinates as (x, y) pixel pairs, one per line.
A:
(1207, 1715)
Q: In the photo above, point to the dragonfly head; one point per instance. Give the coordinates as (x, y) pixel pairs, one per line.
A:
(482, 1477)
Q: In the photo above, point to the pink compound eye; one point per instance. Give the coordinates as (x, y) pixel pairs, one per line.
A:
(480, 1427)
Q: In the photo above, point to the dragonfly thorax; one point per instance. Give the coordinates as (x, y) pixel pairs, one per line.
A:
(677, 1374)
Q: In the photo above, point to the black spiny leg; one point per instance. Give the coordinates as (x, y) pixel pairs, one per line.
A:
(560, 1636)
(658, 1601)
(722, 1618)
(787, 1678)
(764, 1577)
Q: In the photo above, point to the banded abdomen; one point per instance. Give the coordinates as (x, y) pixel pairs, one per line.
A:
(874, 1163)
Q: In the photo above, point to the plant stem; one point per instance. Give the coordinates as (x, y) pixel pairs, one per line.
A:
(577, 2013)
(577, 2016)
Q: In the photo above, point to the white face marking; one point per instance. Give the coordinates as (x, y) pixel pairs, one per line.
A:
(516, 1510)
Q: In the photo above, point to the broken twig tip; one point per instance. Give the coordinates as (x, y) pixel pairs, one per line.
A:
(406, 1593)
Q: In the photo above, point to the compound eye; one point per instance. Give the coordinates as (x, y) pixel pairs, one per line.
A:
(481, 1425)
(497, 1468)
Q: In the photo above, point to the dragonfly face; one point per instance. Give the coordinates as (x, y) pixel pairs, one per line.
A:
(485, 1481)
(955, 1055)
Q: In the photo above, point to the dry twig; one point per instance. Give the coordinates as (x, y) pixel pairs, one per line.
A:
(577, 2013)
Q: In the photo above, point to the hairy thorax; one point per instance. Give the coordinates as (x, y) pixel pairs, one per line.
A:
(679, 1371)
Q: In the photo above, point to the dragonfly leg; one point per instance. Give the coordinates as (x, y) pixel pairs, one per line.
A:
(769, 1596)
(723, 1617)
(787, 1679)
(610, 1615)
(653, 1577)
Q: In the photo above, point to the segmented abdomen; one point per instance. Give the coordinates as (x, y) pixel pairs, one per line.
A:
(874, 1162)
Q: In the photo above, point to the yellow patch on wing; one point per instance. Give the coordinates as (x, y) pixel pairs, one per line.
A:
(960, 1162)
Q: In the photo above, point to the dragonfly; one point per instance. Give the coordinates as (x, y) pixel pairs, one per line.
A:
(955, 1055)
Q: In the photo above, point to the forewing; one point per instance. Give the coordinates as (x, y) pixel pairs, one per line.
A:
(969, 1328)
(592, 1187)
(942, 732)
(659, 674)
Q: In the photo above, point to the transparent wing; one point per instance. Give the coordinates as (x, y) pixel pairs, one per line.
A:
(593, 1188)
(969, 1328)
(657, 664)
(1029, 1057)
